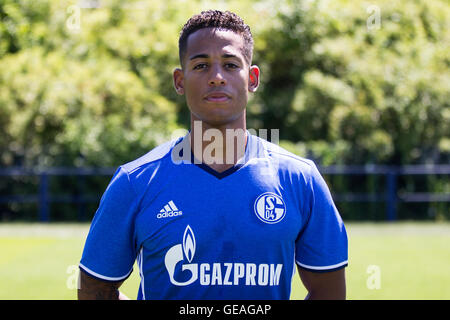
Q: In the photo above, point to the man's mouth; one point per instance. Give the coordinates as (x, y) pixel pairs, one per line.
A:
(217, 97)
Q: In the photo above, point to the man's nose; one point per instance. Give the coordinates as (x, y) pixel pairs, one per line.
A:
(217, 78)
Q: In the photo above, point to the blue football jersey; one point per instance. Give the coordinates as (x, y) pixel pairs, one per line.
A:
(199, 234)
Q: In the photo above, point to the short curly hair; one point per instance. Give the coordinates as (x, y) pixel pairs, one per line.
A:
(224, 20)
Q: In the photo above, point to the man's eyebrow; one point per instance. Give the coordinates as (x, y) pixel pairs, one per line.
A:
(197, 56)
(229, 55)
(205, 56)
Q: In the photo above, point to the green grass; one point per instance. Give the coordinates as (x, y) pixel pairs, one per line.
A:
(40, 261)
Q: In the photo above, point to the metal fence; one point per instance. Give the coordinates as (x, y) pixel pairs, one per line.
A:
(44, 197)
(391, 196)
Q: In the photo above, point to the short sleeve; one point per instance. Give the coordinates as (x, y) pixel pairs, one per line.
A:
(109, 252)
(322, 244)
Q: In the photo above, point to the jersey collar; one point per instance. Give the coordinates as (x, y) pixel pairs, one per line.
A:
(249, 150)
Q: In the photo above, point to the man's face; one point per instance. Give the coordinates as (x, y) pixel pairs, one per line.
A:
(216, 78)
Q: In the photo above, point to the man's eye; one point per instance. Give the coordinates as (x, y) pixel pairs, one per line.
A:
(231, 66)
(200, 66)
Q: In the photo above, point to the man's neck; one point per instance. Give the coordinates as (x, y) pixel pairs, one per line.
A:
(219, 147)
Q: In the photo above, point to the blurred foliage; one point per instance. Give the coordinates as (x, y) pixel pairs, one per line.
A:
(350, 91)
(89, 82)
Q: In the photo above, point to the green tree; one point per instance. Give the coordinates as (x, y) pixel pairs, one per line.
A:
(346, 90)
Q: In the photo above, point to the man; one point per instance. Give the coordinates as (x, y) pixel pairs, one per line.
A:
(224, 222)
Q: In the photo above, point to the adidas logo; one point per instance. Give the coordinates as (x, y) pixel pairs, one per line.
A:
(169, 210)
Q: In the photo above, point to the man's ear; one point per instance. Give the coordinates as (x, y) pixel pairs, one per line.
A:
(253, 79)
(178, 81)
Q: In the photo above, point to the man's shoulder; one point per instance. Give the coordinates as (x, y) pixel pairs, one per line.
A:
(153, 157)
(283, 156)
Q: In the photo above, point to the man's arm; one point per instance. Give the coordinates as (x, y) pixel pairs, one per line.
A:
(94, 289)
(324, 285)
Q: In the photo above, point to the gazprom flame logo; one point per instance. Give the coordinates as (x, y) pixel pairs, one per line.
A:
(189, 244)
(175, 255)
